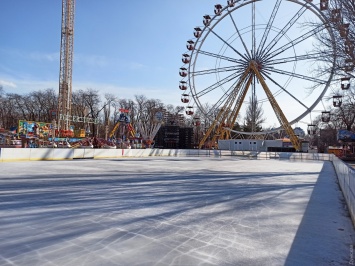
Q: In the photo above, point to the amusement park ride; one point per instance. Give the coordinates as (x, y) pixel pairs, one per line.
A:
(150, 129)
(65, 85)
(123, 125)
(269, 57)
(66, 66)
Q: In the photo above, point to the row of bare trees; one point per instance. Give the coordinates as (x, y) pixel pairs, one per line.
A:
(34, 106)
(39, 106)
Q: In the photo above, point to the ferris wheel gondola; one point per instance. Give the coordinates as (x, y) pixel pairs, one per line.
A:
(185, 98)
(311, 129)
(337, 100)
(345, 83)
(189, 110)
(241, 58)
(325, 116)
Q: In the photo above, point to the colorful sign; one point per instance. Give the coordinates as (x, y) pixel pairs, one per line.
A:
(33, 128)
(74, 118)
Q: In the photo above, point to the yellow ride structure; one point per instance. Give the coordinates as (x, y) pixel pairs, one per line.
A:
(229, 112)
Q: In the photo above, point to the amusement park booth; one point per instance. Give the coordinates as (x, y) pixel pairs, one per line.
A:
(248, 144)
(278, 145)
(347, 139)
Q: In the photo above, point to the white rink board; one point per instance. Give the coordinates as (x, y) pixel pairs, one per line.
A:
(8, 154)
(15, 154)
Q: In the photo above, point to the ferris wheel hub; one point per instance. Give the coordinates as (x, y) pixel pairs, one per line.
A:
(258, 65)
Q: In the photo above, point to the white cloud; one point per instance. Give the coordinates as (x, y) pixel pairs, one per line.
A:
(24, 86)
(7, 84)
(101, 61)
(50, 57)
(35, 56)
(135, 66)
(91, 60)
(166, 95)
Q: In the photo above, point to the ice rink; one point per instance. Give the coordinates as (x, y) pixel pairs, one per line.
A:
(173, 211)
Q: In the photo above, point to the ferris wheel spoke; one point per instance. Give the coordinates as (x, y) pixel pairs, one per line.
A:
(215, 70)
(294, 42)
(294, 58)
(240, 99)
(253, 30)
(239, 35)
(220, 56)
(220, 101)
(291, 74)
(217, 84)
(283, 31)
(230, 46)
(286, 91)
(235, 88)
(268, 26)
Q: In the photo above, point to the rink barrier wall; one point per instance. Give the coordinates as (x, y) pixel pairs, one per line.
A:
(35, 154)
(16, 154)
(346, 178)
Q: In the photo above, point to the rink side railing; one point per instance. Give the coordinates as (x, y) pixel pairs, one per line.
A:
(346, 175)
(346, 178)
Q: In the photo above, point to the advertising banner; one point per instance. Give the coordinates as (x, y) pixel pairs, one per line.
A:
(33, 128)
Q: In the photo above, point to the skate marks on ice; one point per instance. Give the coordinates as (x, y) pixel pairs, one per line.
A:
(171, 212)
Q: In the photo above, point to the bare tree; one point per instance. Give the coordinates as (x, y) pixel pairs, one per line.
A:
(345, 113)
(110, 99)
(36, 106)
(41, 102)
(92, 102)
(254, 117)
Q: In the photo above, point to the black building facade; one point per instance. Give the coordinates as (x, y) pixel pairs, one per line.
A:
(174, 137)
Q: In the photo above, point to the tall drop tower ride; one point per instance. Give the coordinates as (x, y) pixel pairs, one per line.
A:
(66, 65)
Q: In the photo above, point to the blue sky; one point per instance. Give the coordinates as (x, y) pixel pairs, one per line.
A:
(120, 47)
(125, 48)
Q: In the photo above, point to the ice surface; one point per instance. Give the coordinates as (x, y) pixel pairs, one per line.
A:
(172, 211)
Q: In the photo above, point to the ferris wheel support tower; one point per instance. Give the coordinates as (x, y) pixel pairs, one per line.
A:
(66, 64)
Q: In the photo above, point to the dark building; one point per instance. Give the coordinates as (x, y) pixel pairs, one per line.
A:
(174, 137)
(186, 136)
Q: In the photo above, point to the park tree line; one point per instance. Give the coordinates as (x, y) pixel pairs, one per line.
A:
(39, 106)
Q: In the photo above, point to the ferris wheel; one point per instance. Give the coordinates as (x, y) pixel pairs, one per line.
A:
(257, 54)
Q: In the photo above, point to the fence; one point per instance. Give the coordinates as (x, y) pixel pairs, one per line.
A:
(346, 177)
